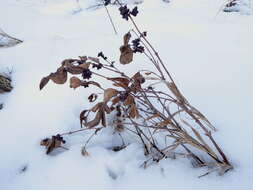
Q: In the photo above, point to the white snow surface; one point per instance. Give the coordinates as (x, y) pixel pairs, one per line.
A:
(208, 52)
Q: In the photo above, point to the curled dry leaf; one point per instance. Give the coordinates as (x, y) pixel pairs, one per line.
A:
(68, 62)
(59, 77)
(120, 82)
(97, 106)
(83, 117)
(44, 82)
(129, 101)
(126, 38)
(101, 108)
(126, 55)
(126, 51)
(115, 100)
(75, 82)
(96, 120)
(133, 112)
(138, 79)
(109, 93)
(93, 97)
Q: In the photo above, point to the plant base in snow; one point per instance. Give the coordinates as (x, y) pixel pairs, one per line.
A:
(147, 104)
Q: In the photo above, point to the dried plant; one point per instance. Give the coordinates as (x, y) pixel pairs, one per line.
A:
(7, 40)
(137, 104)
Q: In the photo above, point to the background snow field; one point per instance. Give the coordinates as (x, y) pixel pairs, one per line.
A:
(208, 52)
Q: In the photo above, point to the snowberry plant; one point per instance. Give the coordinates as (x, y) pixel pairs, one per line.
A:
(138, 104)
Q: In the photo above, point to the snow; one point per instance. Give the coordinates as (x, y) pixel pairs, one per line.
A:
(207, 51)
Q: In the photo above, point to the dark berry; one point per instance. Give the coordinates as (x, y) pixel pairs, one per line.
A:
(100, 54)
(135, 11)
(107, 2)
(97, 66)
(125, 12)
(86, 74)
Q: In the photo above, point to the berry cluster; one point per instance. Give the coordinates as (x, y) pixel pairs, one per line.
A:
(136, 46)
(97, 66)
(107, 2)
(126, 13)
(101, 54)
(86, 85)
(86, 74)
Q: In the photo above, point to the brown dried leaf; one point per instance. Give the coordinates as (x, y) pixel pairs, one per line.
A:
(97, 106)
(44, 82)
(133, 112)
(68, 62)
(126, 38)
(109, 93)
(129, 101)
(106, 109)
(120, 85)
(60, 76)
(115, 100)
(96, 120)
(126, 56)
(138, 78)
(103, 118)
(75, 82)
(75, 70)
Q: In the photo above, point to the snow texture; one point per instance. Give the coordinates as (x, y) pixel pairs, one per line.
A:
(209, 55)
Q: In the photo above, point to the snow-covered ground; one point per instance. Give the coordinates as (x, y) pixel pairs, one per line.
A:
(208, 52)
